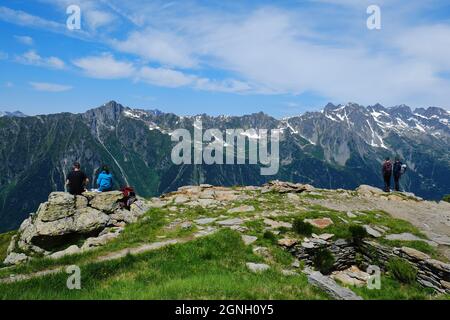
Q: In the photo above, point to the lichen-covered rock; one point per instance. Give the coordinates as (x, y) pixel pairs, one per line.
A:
(66, 219)
(15, 258)
(89, 219)
(81, 202)
(59, 205)
(69, 251)
(99, 241)
(105, 201)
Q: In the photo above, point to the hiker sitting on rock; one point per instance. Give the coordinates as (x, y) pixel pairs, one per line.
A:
(105, 180)
(77, 180)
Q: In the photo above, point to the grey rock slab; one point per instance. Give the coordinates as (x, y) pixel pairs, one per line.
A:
(438, 238)
(257, 267)
(69, 251)
(203, 221)
(15, 258)
(230, 222)
(248, 240)
(371, 231)
(242, 209)
(331, 287)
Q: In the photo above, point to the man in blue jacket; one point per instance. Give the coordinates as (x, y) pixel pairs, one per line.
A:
(105, 180)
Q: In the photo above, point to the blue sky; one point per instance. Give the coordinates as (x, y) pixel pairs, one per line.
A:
(222, 57)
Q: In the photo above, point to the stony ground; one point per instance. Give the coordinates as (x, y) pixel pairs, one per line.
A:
(262, 217)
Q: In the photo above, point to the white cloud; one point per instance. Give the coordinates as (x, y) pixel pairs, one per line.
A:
(24, 19)
(50, 87)
(3, 55)
(26, 40)
(275, 51)
(9, 84)
(227, 85)
(165, 77)
(430, 43)
(163, 47)
(105, 67)
(97, 19)
(31, 57)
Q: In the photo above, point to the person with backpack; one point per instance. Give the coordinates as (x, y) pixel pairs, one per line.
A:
(387, 173)
(129, 197)
(399, 169)
(105, 180)
(77, 180)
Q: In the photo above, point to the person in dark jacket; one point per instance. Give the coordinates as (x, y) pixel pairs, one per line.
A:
(105, 180)
(387, 173)
(397, 173)
(77, 180)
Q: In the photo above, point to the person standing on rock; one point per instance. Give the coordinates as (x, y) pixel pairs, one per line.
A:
(399, 169)
(387, 173)
(105, 180)
(77, 180)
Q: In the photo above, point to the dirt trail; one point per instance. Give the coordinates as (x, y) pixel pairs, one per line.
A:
(432, 218)
(147, 247)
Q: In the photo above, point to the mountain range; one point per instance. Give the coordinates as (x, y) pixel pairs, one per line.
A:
(341, 146)
(12, 114)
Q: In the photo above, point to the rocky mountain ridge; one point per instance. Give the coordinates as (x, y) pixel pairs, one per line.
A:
(340, 147)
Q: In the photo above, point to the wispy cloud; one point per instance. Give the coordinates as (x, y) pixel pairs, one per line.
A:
(26, 40)
(157, 46)
(165, 77)
(105, 67)
(26, 19)
(50, 87)
(31, 57)
(277, 49)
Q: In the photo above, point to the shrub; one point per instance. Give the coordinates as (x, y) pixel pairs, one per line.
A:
(357, 232)
(323, 260)
(359, 260)
(269, 235)
(301, 227)
(446, 198)
(402, 270)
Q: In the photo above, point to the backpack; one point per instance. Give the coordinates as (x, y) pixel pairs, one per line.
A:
(403, 169)
(129, 197)
(128, 192)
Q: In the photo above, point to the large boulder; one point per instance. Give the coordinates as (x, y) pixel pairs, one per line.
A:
(65, 220)
(366, 190)
(105, 201)
(59, 205)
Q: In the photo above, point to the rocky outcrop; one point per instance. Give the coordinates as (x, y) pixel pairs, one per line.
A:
(431, 273)
(64, 221)
(286, 187)
(344, 252)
